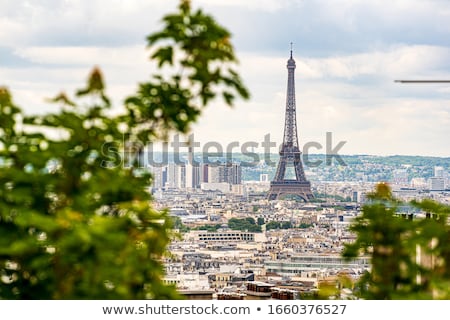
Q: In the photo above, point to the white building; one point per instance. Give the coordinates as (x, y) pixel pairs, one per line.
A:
(437, 184)
(400, 177)
(235, 236)
(213, 174)
(223, 187)
(172, 175)
(159, 175)
(297, 265)
(439, 172)
(188, 281)
(419, 183)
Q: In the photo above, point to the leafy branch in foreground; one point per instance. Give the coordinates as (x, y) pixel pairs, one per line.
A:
(72, 228)
(410, 257)
(76, 220)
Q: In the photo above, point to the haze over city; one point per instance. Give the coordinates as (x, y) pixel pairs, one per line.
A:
(348, 54)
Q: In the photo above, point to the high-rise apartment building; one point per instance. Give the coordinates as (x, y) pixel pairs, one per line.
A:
(437, 184)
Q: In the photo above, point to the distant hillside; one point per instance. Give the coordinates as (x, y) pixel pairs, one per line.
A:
(353, 167)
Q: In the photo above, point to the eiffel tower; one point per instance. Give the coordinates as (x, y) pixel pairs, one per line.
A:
(290, 154)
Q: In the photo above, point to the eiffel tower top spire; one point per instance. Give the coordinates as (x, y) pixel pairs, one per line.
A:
(291, 61)
(290, 139)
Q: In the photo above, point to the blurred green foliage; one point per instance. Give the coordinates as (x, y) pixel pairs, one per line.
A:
(410, 256)
(76, 220)
(336, 288)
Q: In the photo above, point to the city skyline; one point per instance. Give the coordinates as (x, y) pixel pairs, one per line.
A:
(332, 185)
(348, 55)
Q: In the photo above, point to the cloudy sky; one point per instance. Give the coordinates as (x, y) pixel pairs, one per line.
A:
(348, 54)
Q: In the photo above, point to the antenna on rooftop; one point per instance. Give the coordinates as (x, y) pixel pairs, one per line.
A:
(422, 81)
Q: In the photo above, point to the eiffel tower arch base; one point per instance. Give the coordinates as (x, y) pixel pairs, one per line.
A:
(285, 188)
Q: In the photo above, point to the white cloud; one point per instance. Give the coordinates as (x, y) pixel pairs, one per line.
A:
(400, 61)
(129, 56)
(73, 22)
(10, 30)
(260, 5)
(347, 52)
